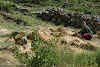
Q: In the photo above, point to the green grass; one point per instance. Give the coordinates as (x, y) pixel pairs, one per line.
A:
(70, 59)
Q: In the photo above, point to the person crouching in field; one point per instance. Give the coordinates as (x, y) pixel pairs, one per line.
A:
(86, 32)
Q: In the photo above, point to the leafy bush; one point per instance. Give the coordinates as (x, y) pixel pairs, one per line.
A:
(45, 55)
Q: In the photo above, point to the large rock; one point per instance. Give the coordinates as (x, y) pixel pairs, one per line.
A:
(74, 18)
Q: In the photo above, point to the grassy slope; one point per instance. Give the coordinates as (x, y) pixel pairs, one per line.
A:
(34, 23)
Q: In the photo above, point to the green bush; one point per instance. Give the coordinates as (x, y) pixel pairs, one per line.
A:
(45, 55)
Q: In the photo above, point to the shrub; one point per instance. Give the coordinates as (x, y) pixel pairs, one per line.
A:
(45, 55)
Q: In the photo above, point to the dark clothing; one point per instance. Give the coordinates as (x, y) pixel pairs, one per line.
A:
(85, 34)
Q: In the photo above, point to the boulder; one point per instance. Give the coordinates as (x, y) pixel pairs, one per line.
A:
(74, 18)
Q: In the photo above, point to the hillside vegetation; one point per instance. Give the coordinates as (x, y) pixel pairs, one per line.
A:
(49, 42)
